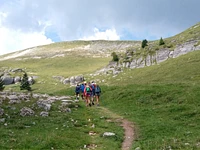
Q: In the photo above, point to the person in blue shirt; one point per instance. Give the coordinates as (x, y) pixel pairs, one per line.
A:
(77, 91)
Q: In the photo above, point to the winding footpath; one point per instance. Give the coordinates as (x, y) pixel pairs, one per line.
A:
(129, 131)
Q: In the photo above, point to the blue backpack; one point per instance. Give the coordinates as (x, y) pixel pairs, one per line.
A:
(78, 88)
(97, 89)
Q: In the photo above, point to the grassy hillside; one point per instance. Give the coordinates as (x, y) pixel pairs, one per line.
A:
(162, 100)
(184, 69)
(45, 69)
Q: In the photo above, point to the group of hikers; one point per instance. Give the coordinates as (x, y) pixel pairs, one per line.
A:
(89, 92)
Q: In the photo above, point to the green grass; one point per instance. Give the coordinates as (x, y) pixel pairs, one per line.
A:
(166, 115)
(45, 69)
(162, 100)
(58, 131)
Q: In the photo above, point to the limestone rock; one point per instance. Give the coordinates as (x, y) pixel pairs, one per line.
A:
(25, 111)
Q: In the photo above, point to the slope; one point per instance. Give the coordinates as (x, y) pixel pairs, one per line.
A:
(162, 100)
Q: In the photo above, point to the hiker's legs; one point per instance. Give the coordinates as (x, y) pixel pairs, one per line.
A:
(97, 99)
(92, 98)
(78, 96)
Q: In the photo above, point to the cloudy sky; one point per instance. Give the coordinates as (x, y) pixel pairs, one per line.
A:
(28, 23)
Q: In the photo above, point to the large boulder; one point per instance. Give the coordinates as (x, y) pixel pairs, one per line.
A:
(7, 80)
(17, 79)
(79, 79)
(66, 81)
(30, 80)
(72, 80)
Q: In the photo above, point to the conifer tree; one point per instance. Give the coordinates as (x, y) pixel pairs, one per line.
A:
(144, 43)
(115, 56)
(1, 84)
(24, 83)
(161, 42)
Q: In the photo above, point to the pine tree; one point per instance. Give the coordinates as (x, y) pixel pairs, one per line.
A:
(115, 56)
(144, 43)
(161, 42)
(1, 84)
(24, 83)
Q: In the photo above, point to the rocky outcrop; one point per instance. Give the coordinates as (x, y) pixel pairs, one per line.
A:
(141, 61)
(161, 55)
(7, 79)
(41, 102)
(70, 80)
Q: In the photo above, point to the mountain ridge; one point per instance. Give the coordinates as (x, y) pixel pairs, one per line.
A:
(100, 48)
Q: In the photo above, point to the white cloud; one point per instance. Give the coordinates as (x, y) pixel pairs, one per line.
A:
(11, 40)
(109, 34)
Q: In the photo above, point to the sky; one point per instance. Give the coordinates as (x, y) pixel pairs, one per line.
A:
(29, 23)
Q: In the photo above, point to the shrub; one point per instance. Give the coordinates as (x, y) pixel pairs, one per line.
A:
(1, 84)
(115, 57)
(144, 43)
(24, 83)
(161, 42)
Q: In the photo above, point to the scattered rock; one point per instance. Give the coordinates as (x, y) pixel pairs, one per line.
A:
(1, 111)
(92, 133)
(17, 79)
(138, 148)
(25, 111)
(44, 104)
(44, 114)
(108, 134)
(2, 120)
(8, 80)
(68, 110)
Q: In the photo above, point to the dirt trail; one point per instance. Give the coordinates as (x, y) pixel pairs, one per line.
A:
(129, 132)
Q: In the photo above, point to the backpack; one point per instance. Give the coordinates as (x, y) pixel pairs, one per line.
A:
(77, 88)
(92, 87)
(97, 89)
(88, 89)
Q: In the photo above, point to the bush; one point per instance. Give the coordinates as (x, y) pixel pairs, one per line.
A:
(144, 43)
(1, 84)
(161, 42)
(24, 83)
(115, 57)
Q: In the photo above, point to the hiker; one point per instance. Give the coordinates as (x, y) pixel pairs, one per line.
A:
(92, 86)
(82, 90)
(97, 94)
(77, 91)
(87, 92)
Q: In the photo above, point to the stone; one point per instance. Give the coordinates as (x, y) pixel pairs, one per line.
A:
(72, 80)
(25, 111)
(108, 134)
(1, 111)
(79, 79)
(44, 114)
(8, 80)
(68, 110)
(2, 120)
(31, 80)
(44, 104)
(17, 79)
(66, 81)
